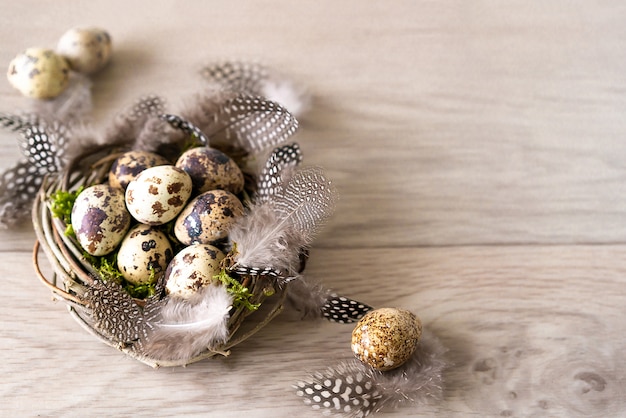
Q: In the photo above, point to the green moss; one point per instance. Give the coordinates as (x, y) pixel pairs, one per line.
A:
(106, 267)
(241, 294)
(61, 204)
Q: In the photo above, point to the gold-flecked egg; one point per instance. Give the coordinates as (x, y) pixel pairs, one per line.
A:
(386, 338)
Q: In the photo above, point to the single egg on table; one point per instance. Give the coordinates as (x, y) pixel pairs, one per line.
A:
(100, 219)
(386, 338)
(87, 50)
(39, 73)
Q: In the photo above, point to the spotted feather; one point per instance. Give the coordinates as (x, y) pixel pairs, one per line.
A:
(344, 310)
(186, 127)
(274, 176)
(254, 122)
(18, 187)
(245, 77)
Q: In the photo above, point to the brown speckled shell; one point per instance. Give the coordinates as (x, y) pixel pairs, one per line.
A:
(100, 219)
(143, 249)
(386, 338)
(86, 49)
(39, 73)
(208, 217)
(211, 169)
(158, 194)
(128, 166)
(192, 269)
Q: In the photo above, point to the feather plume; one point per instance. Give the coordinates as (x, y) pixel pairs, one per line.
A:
(273, 233)
(352, 389)
(259, 80)
(185, 327)
(72, 106)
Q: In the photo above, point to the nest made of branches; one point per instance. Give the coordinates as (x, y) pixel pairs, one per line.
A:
(73, 275)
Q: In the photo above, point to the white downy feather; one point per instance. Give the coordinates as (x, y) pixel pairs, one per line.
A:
(185, 328)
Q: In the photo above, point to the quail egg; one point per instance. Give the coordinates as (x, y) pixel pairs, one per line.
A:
(211, 169)
(386, 338)
(158, 194)
(100, 219)
(39, 73)
(208, 218)
(86, 49)
(144, 251)
(128, 166)
(192, 269)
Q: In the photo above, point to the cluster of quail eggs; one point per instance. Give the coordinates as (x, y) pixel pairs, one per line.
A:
(198, 195)
(43, 73)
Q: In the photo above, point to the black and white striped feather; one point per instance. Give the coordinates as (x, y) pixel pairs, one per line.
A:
(351, 389)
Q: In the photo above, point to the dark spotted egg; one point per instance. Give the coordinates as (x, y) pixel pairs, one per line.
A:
(100, 219)
(144, 251)
(211, 169)
(191, 269)
(208, 218)
(128, 166)
(158, 194)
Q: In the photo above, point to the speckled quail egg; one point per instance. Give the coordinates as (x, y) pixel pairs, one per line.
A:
(192, 269)
(208, 217)
(100, 219)
(386, 338)
(211, 169)
(158, 194)
(128, 166)
(145, 250)
(39, 73)
(86, 49)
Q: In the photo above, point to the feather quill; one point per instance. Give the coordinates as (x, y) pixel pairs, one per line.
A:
(352, 389)
(273, 233)
(183, 328)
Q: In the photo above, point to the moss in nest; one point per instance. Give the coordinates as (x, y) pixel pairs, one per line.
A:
(241, 294)
(61, 204)
(106, 266)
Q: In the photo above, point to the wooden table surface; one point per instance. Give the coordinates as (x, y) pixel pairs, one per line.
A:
(479, 149)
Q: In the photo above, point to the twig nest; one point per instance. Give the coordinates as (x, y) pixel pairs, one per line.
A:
(158, 194)
(87, 50)
(386, 338)
(39, 73)
(191, 269)
(144, 252)
(128, 166)
(208, 218)
(100, 219)
(211, 169)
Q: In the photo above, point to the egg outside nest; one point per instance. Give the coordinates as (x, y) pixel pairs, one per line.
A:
(386, 338)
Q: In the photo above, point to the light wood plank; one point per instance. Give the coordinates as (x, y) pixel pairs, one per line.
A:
(524, 334)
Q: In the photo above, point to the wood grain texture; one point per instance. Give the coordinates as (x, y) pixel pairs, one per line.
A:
(478, 148)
